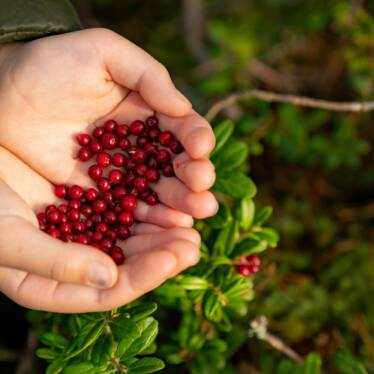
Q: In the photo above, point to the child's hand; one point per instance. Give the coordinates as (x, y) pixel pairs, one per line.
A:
(53, 88)
(40, 272)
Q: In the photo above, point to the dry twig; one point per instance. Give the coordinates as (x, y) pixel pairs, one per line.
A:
(274, 97)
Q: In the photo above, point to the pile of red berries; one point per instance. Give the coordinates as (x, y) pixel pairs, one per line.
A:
(248, 265)
(128, 159)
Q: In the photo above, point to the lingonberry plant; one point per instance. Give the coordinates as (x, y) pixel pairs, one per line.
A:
(198, 310)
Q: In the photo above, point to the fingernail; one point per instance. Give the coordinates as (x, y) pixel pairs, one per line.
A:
(99, 275)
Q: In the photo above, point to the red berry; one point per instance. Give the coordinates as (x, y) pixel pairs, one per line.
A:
(152, 162)
(111, 234)
(103, 184)
(96, 146)
(84, 154)
(95, 172)
(115, 176)
(98, 132)
(83, 239)
(91, 194)
(60, 191)
(130, 165)
(142, 141)
(141, 169)
(106, 244)
(122, 131)
(99, 206)
(154, 134)
(124, 144)
(65, 228)
(137, 127)
(129, 180)
(152, 175)
(152, 199)
(126, 218)
(165, 137)
(110, 125)
(74, 204)
(103, 159)
(118, 159)
(97, 236)
(50, 207)
(110, 217)
(175, 147)
(128, 202)
(140, 183)
(86, 210)
(139, 156)
(54, 216)
(68, 237)
(123, 232)
(108, 196)
(151, 149)
(151, 121)
(63, 208)
(117, 255)
(75, 192)
(168, 170)
(79, 227)
(163, 156)
(109, 141)
(243, 270)
(74, 215)
(119, 192)
(54, 233)
(83, 139)
(102, 227)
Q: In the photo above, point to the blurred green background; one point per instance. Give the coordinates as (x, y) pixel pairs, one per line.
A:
(314, 167)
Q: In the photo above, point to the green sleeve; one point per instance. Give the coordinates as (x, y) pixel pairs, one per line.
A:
(30, 19)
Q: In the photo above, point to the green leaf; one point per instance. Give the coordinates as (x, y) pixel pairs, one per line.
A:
(262, 215)
(129, 332)
(53, 339)
(89, 334)
(102, 350)
(170, 289)
(80, 368)
(148, 331)
(227, 238)
(222, 132)
(146, 365)
(235, 184)
(56, 366)
(141, 311)
(246, 212)
(312, 364)
(346, 363)
(270, 235)
(196, 342)
(212, 306)
(248, 247)
(232, 155)
(219, 220)
(189, 282)
(46, 353)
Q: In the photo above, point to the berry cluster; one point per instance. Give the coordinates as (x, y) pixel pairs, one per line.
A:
(248, 265)
(128, 159)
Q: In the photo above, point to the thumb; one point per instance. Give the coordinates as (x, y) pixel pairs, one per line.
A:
(133, 68)
(24, 247)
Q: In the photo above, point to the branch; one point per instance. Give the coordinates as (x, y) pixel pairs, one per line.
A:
(273, 97)
(259, 329)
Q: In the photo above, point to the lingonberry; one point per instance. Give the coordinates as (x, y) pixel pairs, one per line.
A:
(83, 139)
(74, 215)
(67, 237)
(128, 202)
(129, 180)
(106, 244)
(83, 239)
(154, 134)
(74, 204)
(111, 234)
(89, 223)
(151, 199)
(108, 196)
(65, 227)
(85, 154)
(152, 175)
(122, 131)
(175, 147)
(97, 236)
(103, 159)
(96, 146)
(118, 159)
(60, 191)
(142, 141)
(126, 218)
(103, 184)
(75, 192)
(130, 164)
(139, 155)
(163, 156)
(79, 227)
(110, 217)
(50, 207)
(165, 137)
(119, 192)
(96, 218)
(152, 121)
(110, 125)
(63, 208)
(64, 218)
(137, 127)
(109, 141)
(99, 206)
(86, 210)
(54, 216)
(102, 227)
(91, 194)
(115, 176)
(123, 232)
(152, 162)
(95, 171)
(124, 144)
(140, 183)
(98, 132)
(141, 169)
(117, 255)
(168, 170)
(54, 233)
(151, 149)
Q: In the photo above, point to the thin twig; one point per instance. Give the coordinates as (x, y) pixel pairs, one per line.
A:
(259, 329)
(274, 97)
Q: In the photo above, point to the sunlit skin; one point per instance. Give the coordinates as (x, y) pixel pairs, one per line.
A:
(50, 90)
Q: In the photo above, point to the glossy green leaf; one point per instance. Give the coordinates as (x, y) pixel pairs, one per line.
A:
(312, 364)
(53, 339)
(222, 132)
(234, 184)
(212, 306)
(46, 353)
(146, 365)
(262, 215)
(270, 235)
(248, 247)
(189, 282)
(246, 212)
(232, 155)
(102, 350)
(80, 368)
(56, 366)
(127, 334)
(142, 310)
(227, 238)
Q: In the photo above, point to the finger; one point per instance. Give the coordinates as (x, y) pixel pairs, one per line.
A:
(193, 131)
(173, 193)
(132, 67)
(162, 215)
(25, 247)
(198, 175)
(146, 228)
(147, 242)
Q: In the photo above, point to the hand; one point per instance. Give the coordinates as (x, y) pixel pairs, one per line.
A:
(55, 87)
(40, 272)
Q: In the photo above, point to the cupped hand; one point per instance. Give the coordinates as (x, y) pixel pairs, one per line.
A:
(40, 272)
(56, 87)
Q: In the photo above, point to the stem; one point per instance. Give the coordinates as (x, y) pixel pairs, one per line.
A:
(273, 97)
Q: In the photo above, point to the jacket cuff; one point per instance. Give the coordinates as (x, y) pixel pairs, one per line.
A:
(31, 19)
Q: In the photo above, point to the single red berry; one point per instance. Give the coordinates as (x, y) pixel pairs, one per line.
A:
(99, 206)
(141, 169)
(83, 239)
(140, 183)
(96, 218)
(139, 156)
(110, 217)
(91, 194)
(102, 227)
(103, 184)
(106, 244)
(144, 194)
(74, 215)
(152, 199)
(129, 180)
(96, 146)
(152, 162)
(163, 156)
(63, 208)
(123, 232)
(142, 141)
(112, 235)
(151, 149)
(119, 192)
(118, 159)
(137, 127)
(65, 228)
(168, 170)
(67, 237)
(151, 121)
(74, 204)
(126, 218)
(109, 141)
(243, 270)
(64, 218)
(98, 132)
(83, 139)
(128, 202)
(103, 159)
(60, 191)
(86, 210)
(97, 236)
(175, 147)
(41, 217)
(79, 227)
(117, 208)
(50, 207)
(154, 134)
(54, 216)
(165, 137)
(124, 144)
(54, 233)
(122, 131)
(75, 192)
(110, 125)
(152, 175)
(89, 223)
(84, 154)
(117, 255)
(108, 196)
(95, 171)
(115, 176)
(130, 164)
(253, 260)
